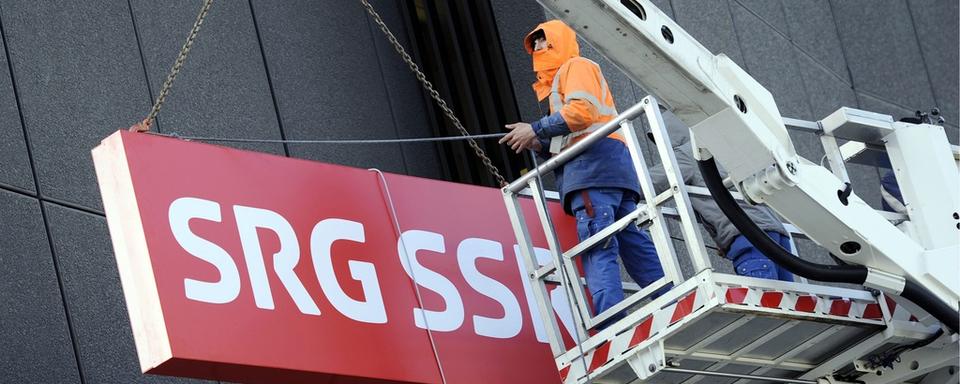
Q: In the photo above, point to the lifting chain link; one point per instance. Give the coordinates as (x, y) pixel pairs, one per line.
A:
(177, 66)
(434, 94)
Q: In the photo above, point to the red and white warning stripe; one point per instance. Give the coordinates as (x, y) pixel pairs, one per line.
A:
(813, 304)
(651, 326)
(897, 312)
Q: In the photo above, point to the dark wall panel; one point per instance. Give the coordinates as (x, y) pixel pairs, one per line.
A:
(95, 300)
(514, 20)
(16, 170)
(881, 50)
(406, 103)
(328, 82)
(769, 12)
(222, 90)
(79, 77)
(769, 58)
(938, 26)
(711, 23)
(34, 337)
(811, 26)
(772, 61)
(826, 92)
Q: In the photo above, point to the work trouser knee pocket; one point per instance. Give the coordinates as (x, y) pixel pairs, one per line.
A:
(600, 264)
(755, 266)
(590, 225)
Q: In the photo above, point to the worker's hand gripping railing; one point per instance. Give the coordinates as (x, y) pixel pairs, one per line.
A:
(646, 215)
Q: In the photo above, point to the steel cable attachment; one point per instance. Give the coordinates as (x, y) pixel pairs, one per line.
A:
(428, 86)
(177, 66)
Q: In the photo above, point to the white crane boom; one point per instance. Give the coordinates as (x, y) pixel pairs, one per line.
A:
(735, 119)
(735, 122)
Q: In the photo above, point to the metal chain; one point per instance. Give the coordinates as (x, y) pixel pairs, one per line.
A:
(433, 93)
(177, 65)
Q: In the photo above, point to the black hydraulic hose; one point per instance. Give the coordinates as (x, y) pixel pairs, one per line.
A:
(936, 307)
(854, 274)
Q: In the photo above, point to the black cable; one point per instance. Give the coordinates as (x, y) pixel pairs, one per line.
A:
(887, 358)
(936, 307)
(853, 274)
(925, 342)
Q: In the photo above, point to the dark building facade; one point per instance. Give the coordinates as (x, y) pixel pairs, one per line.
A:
(73, 72)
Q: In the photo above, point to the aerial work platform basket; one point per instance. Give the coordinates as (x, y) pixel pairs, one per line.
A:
(713, 326)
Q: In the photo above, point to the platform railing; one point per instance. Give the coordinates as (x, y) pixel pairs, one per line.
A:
(563, 269)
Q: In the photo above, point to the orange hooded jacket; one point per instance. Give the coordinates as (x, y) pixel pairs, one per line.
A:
(574, 84)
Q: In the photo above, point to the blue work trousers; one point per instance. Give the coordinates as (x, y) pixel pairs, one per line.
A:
(634, 245)
(749, 261)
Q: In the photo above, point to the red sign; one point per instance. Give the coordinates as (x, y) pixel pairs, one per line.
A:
(243, 266)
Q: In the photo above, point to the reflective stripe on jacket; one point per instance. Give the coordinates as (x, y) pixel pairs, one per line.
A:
(580, 94)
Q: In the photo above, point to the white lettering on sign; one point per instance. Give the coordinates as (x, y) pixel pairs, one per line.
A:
(509, 325)
(324, 234)
(371, 310)
(451, 317)
(179, 215)
(248, 221)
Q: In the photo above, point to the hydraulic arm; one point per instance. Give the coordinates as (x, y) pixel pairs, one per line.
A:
(735, 121)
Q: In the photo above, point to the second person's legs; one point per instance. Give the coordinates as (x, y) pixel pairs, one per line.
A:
(749, 261)
(638, 252)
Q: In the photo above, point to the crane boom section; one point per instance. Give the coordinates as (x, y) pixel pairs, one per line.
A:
(734, 119)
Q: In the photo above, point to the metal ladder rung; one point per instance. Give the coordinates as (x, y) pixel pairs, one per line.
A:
(663, 196)
(628, 287)
(627, 302)
(639, 215)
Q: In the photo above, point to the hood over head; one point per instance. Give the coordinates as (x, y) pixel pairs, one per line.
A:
(561, 46)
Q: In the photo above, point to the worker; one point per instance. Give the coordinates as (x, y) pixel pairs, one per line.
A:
(747, 259)
(599, 185)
